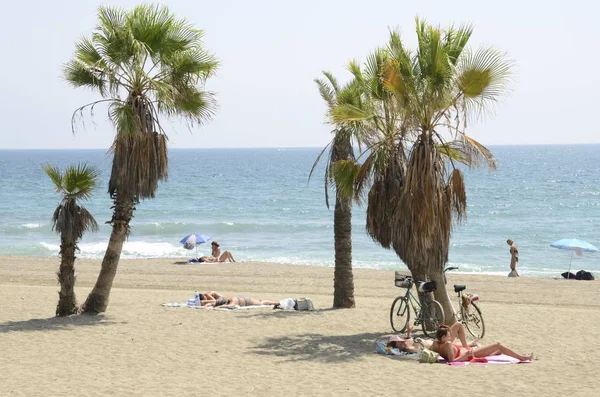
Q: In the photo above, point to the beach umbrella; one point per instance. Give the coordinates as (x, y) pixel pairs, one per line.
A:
(575, 246)
(193, 240)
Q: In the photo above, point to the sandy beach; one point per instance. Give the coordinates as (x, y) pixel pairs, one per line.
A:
(139, 348)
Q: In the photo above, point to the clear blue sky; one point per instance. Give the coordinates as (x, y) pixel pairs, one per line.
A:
(270, 52)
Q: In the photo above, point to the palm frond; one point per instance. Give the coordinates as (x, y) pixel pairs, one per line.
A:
(456, 40)
(112, 39)
(80, 180)
(326, 92)
(457, 194)
(80, 75)
(483, 76)
(123, 118)
(346, 113)
(55, 176)
(344, 174)
(472, 153)
(332, 81)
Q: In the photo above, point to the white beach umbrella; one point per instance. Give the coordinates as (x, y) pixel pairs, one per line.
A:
(575, 246)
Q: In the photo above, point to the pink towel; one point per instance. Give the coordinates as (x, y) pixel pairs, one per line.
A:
(500, 359)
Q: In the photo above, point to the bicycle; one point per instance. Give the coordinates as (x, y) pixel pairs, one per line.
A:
(429, 317)
(470, 314)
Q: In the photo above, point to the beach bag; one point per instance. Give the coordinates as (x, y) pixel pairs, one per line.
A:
(303, 304)
(287, 304)
(428, 356)
(428, 286)
(584, 275)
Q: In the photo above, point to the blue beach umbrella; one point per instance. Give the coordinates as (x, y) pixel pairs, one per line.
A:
(193, 240)
(574, 245)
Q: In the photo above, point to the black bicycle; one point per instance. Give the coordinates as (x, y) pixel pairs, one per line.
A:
(470, 314)
(429, 316)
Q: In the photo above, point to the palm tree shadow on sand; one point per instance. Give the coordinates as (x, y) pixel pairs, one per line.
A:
(321, 348)
(54, 324)
(266, 314)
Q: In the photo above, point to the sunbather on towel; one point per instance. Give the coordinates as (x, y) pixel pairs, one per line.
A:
(216, 255)
(455, 352)
(232, 301)
(409, 344)
(456, 330)
(208, 298)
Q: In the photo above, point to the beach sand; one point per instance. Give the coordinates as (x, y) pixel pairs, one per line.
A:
(139, 348)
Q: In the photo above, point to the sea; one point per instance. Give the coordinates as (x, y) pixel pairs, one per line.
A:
(260, 205)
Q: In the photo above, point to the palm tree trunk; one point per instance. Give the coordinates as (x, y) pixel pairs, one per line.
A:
(97, 300)
(421, 273)
(343, 279)
(67, 303)
(441, 295)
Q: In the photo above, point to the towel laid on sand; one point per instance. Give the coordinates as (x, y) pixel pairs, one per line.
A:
(383, 349)
(185, 304)
(500, 359)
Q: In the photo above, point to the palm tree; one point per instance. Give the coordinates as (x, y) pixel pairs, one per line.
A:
(383, 133)
(436, 88)
(145, 64)
(71, 220)
(340, 148)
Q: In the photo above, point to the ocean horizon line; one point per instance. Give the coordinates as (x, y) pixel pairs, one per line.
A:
(287, 147)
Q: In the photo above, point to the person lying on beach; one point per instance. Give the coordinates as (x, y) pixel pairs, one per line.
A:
(216, 255)
(455, 352)
(208, 298)
(408, 344)
(232, 301)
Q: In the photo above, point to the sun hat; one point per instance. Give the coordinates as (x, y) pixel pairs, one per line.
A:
(396, 338)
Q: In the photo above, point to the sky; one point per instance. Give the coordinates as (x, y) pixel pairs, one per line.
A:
(271, 51)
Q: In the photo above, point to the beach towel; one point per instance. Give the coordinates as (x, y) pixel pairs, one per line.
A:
(193, 306)
(383, 349)
(500, 359)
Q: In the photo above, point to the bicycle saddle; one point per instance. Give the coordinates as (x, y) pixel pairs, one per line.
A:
(458, 288)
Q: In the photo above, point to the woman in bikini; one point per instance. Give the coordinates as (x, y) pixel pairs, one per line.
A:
(208, 298)
(232, 301)
(514, 258)
(410, 345)
(216, 255)
(454, 352)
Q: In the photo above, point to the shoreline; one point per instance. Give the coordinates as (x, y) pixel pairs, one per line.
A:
(525, 274)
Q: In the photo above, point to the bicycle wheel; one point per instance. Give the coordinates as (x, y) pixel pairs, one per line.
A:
(400, 314)
(433, 317)
(473, 320)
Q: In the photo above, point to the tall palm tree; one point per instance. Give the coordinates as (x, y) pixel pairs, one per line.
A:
(442, 84)
(437, 89)
(71, 220)
(340, 148)
(145, 64)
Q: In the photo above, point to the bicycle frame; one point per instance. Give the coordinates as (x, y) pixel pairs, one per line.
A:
(429, 313)
(470, 314)
(416, 305)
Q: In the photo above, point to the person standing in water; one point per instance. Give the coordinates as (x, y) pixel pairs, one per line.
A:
(514, 258)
